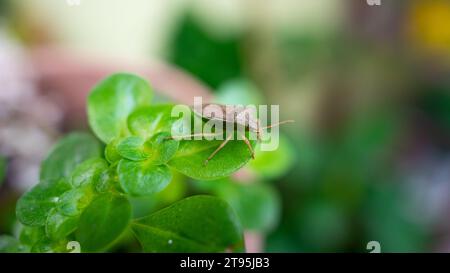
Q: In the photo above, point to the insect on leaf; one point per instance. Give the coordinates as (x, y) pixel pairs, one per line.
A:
(191, 155)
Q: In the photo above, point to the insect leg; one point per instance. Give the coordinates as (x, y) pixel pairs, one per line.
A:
(194, 135)
(218, 149)
(248, 145)
(278, 124)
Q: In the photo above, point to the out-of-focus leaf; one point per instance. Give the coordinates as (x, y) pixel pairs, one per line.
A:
(30, 235)
(194, 224)
(321, 226)
(257, 205)
(35, 205)
(111, 153)
(436, 105)
(199, 53)
(387, 222)
(175, 191)
(239, 91)
(47, 245)
(273, 164)
(102, 222)
(9, 244)
(67, 154)
(112, 100)
(3, 168)
(371, 135)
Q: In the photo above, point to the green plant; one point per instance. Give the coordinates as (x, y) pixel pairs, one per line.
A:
(85, 186)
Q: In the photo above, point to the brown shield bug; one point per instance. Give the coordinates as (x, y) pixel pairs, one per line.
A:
(242, 117)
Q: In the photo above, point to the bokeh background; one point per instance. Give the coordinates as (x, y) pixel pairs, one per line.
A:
(368, 158)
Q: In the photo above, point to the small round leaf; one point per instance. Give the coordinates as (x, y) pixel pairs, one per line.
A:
(143, 178)
(164, 148)
(149, 120)
(111, 153)
(112, 100)
(133, 148)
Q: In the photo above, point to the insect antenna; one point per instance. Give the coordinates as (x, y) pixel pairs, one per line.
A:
(278, 124)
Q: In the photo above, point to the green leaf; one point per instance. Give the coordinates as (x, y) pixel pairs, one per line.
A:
(163, 148)
(195, 224)
(88, 172)
(58, 226)
(257, 205)
(149, 120)
(273, 164)
(112, 100)
(192, 154)
(103, 221)
(239, 91)
(143, 178)
(35, 205)
(133, 148)
(67, 154)
(9, 244)
(47, 245)
(108, 180)
(212, 59)
(30, 235)
(72, 202)
(111, 153)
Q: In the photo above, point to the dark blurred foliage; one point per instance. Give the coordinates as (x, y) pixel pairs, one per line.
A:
(378, 113)
(199, 52)
(3, 7)
(435, 104)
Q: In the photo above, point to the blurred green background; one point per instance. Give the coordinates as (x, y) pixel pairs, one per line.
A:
(368, 158)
